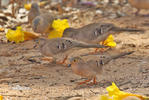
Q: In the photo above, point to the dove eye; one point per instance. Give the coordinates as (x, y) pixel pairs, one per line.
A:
(75, 60)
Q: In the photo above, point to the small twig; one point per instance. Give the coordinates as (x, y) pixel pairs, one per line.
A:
(94, 92)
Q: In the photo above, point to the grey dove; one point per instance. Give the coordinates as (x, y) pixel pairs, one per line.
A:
(61, 47)
(95, 32)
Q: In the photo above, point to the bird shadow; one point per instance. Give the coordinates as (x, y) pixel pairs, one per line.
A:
(103, 84)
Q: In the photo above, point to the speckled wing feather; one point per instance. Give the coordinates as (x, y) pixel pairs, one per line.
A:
(60, 45)
(95, 32)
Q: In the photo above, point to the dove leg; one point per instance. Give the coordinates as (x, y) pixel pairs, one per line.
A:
(103, 49)
(137, 12)
(84, 82)
(100, 49)
(96, 50)
(94, 82)
(63, 62)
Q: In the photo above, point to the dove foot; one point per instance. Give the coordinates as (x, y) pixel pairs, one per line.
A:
(93, 83)
(63, 62)
(84, 82)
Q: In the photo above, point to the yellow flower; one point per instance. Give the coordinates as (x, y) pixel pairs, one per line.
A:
(105, 97)
(27, 6)
(1, 97)
(109, 41)
(58, 28)
(19, 35)
(15, 35)
(116, 94)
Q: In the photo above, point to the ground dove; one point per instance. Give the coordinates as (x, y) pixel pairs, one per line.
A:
(91, 68)
(42, 23)
(61, 47)
(139, 4)
(41, 20)
(95, 32)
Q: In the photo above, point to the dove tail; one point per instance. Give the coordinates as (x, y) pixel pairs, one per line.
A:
(117, 29)
(118, 56)
(83, 45)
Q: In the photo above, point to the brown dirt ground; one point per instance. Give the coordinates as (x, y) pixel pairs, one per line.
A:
(23, 76)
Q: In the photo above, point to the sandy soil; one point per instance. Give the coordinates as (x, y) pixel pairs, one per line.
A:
(23, 76)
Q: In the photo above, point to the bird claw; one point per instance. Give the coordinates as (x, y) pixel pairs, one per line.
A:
(84, 82)
(101, 50)
(63, 62)
(91, 84)
(94, 82)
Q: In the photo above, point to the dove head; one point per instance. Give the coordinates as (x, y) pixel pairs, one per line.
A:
(74, 60)
(34, 6)
(68, 32)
